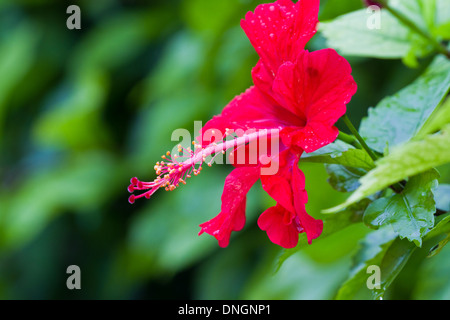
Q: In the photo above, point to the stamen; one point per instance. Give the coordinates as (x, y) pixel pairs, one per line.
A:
(174, 172)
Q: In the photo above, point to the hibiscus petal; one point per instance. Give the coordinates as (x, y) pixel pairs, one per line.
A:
(250, 110)
(278, 185)
(280, 225)
(232, 215)
(328, 84)
(311, 226)
(287, 187)
(279, 31)
(313, 136)
(318, 85)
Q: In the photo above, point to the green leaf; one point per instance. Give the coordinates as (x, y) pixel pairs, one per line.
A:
(433, 278)
(405, 161)
(413, 105)
(436, 121)
(442, 15)
(371, 252)
(351, 158)
(442, 227)
(442, 197)
(420, 12)
(350, 35)
(411, 213)
(380, 248)
(344, 179)
(438, 248)
(419, 48)
(443, 31)
(395, 258)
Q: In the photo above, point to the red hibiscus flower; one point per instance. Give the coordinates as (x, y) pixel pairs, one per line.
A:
(297, 94)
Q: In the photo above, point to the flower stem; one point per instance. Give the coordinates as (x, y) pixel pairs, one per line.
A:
(411, 25)
(355, 132)
(397, 187)
(347, 138)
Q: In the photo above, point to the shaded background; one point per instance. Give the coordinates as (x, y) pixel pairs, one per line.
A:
(83, 111)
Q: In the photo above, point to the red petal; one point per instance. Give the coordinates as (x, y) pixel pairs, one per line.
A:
(250, 110)
(232, 215)
(279, 31)
(311, 226)
(281, 226)
(313, 136)
(317, 86)
(287, 187)
(278, 186)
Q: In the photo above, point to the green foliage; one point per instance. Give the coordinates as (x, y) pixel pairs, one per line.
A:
(413, 104)
(351, 158)
(372, 250)
(403, 162)
(83, 111)
(442, 195)
(409, 131)
(344, 179)
(407, 29)
(411, 213)
(436, 121)
(350, 35)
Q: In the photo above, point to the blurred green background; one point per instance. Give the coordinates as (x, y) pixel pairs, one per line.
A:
(83, 111)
